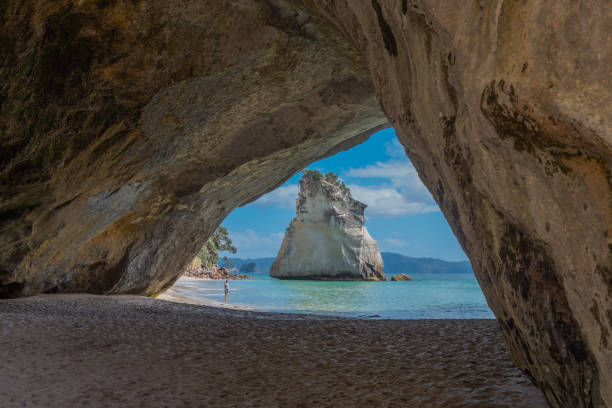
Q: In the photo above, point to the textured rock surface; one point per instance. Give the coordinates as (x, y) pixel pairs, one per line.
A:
(401, 277)
(327, 239)
(129, 130)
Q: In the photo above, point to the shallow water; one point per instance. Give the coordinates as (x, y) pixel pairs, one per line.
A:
(431, 296)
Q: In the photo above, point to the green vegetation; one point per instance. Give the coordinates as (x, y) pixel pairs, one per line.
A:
(316, 174)
(229, 264)
(331, 178)
(219, 241)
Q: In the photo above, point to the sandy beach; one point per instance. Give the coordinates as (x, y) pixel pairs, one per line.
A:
(130, 351)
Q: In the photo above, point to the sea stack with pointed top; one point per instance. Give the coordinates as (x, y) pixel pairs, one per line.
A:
(327, 240)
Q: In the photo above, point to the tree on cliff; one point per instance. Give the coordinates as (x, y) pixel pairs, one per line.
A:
(333, 178)
(330, 177)
(219, 241)
(316, 174)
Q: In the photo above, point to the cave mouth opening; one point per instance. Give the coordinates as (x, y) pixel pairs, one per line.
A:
(401, 216)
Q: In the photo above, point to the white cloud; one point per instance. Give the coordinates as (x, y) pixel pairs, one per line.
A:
(401, 192)
(251, 244)
(282, 197)
(394, 148)
(401, 175)
(389, 202)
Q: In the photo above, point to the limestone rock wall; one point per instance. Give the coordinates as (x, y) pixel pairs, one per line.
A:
(129, 130)
(504, 110)
(327, 239)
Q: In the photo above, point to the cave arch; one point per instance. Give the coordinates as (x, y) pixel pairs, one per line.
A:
(163, 116)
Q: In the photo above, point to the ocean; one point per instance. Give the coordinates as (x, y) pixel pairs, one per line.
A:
(428, 296)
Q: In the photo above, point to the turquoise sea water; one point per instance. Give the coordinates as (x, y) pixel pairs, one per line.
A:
(430, 296)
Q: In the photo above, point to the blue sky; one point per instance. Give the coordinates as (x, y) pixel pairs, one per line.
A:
(401, 214)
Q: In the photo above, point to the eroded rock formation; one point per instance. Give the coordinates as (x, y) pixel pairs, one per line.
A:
(327, 239)
(401, 277)
(129, 130)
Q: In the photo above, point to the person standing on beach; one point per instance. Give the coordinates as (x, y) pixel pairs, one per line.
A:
(226, 289)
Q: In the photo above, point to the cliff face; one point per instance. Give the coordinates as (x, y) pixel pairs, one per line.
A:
(327, 239)
(129, 130)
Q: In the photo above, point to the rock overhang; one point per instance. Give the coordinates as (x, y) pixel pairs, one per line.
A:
(212, 104)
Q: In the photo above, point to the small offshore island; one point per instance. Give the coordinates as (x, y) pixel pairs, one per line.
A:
(327, 240)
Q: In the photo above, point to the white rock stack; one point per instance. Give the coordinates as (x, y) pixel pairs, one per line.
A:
(327, 239)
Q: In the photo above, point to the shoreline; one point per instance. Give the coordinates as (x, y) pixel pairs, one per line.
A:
(132, 351)
(171, 296)
(180, 292)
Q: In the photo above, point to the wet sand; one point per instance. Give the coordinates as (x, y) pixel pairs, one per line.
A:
(130, 351)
